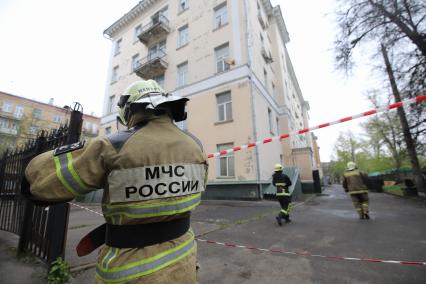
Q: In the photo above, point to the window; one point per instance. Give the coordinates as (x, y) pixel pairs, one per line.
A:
(222, 54)
(7, 107)
(4, 123)
(33, 129)
(110, 104)
(270, 121)
(159, 79)
(37, 113)
(220, 15)
(182, 74)
(108, 130)
(114, 76)
(57, 118)
(183, 5)
(157, 50)
(135, 62)
(226, 162)
(19, 111)
(137, 31)
(224, 106)
(183, 36)
(117, 47)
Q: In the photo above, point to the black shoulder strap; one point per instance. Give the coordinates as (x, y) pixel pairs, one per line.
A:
(118, 139)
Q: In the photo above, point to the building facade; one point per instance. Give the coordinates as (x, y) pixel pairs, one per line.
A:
(21, 119)
(230, 59)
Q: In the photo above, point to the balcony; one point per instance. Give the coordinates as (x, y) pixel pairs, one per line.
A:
(10, 115)
(10, 131)
(153, 65)
(159, 26)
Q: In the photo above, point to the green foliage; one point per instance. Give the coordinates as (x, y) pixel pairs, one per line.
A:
(59, 272)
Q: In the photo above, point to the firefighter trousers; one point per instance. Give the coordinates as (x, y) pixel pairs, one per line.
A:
(285, 207)
(360, 202)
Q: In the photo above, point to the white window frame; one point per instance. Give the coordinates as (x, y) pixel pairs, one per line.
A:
(160, 79)
(182, 70)
(183, 38)
(114, 75)
(224, 107)
(37, 113)
(135, 62)
(110, 105)
(19, 111)
(57, 118)
(221, 58)
(117, 46)
(228, 160)
(136, 32)
(7, 106)
(220, 15)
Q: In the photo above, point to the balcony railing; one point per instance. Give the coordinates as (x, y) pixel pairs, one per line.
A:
(158, 27)
(153, 65)
(10, 131)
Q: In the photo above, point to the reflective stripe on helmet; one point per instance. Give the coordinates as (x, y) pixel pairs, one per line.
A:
(68, 176)
(153, 209)
(147, 266)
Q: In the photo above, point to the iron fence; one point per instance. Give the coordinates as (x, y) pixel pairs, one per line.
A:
(41, 229)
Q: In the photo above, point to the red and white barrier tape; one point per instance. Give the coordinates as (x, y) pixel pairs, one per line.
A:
(418, 263)
(305, 130)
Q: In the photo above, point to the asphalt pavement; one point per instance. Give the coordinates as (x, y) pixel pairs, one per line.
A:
(324, 225)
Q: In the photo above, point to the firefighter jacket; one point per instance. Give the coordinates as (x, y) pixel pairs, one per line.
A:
(151, 173)
(353, 182)
(282, 182)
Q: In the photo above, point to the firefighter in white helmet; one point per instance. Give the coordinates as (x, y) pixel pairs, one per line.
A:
(354, 183)
(282, 183)
(152, 175)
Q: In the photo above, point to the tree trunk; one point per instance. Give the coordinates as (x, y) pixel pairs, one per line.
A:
(411, 149)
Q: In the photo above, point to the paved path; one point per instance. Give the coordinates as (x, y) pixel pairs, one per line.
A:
(323, 225)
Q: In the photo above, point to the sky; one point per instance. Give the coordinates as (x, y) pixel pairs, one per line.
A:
(56, 49)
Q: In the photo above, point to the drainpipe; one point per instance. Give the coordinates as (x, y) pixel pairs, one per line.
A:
(253, 113)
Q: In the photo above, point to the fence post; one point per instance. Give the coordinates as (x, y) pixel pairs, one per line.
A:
(59, 214)
(25, 230)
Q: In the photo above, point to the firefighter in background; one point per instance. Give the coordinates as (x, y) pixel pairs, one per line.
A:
(354, 184)
(152, 175)
(282, 182)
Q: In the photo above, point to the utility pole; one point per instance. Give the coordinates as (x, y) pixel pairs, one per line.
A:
(411, 149)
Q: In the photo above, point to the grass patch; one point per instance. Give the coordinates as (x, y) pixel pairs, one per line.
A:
(393, 189)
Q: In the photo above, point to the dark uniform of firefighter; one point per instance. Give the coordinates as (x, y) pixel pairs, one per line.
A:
(354, 184)
(152, 175)
(282, 182)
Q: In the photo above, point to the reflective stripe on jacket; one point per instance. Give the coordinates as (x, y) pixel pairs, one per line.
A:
(159, 174)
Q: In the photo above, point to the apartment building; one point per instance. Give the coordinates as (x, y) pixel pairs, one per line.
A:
(229, 58)
(21, 119)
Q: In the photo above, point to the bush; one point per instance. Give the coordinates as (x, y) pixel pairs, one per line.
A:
(59, 272)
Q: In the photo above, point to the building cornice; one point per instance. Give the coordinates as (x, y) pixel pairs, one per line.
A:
(128, 17)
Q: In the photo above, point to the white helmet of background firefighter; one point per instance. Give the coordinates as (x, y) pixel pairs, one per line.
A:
(278, 168)
(351, 166)
(142, 95)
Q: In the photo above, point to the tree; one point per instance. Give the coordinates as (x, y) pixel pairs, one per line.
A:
(398, 28)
